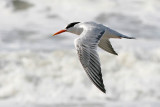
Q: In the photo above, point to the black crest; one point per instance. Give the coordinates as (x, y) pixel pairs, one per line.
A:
(71, 24)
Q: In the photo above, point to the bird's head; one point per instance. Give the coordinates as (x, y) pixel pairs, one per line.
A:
(72, 28)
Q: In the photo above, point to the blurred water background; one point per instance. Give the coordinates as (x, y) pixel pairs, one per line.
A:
(38, 70)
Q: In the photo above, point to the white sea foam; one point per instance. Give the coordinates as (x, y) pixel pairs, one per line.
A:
(58, 76)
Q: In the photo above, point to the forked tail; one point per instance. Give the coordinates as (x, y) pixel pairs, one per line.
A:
(127, 37)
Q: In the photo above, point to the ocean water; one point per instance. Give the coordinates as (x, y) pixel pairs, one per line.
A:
(38, 70)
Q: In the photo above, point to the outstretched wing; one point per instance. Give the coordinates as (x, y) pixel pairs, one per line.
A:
(106, 45)
(86, 47)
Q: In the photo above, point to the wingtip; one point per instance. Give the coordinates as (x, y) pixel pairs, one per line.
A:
(104, 91)
(115, 53)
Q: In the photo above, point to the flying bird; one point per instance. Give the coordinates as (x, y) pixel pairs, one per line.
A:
(92, 35)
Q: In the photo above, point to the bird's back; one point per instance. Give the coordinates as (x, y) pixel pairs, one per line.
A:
(92, 25)
(92, 30)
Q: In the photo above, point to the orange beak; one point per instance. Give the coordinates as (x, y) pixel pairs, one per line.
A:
(61, 31)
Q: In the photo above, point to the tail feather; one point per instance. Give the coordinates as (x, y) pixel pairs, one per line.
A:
(128, 37)
(110, 33)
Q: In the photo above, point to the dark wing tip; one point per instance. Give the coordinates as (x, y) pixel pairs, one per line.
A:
(103, 90)
(95, 80)
(100, 88)
(115, 53)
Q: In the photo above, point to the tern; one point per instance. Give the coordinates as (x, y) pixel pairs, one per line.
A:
(92, 35)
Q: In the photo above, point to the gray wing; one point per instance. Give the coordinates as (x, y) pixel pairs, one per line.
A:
(91, 64)
(106, 45)
(86, 46)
